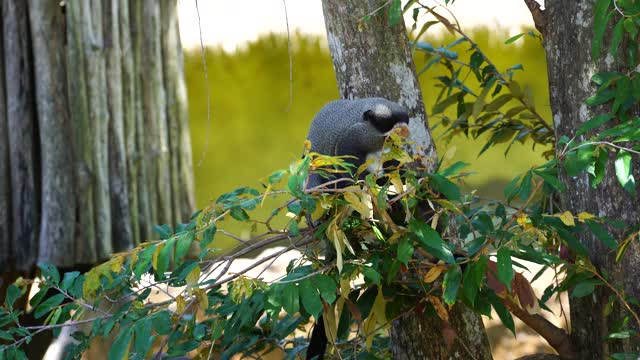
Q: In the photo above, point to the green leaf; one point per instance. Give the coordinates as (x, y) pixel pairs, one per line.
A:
(616, 39)
(310, 298)
(622, 166)
(442, 185)
(120, 347)
(48, 304)
(598, 230)
(13, 293)
(431, 241)
(601, 18)
(600, 97)
(290, 298)
(164, 231)
(371, 274)
(551, 180)
(395, 13)
(182, 246)
(208, 235)
(503, 313)
(451, 284)
(605, 77)
(473, 276)
(497, 103)
(326, 286)
(405, 250)
(143, 339)
(295, 185)
(593, 123)
(505, 267)
(239, 214)
(50, 273)
(584, 288)
(276, 176)
(161, 322)
(621, 334)
(164, 258)
(623, 92)
(454, 169)
(513, 38)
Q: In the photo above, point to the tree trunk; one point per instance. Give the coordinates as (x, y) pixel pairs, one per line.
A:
(83, 92)
(24, 161)
(372, 59)
(567, 43)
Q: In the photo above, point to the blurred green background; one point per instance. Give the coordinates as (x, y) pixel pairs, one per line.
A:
(251, 133)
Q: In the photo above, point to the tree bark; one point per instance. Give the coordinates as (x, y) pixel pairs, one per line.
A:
(5, 194)
(372, 59)
(48, 34)
(180, 142)
(21, 125)
(568, 33)
(73, 132)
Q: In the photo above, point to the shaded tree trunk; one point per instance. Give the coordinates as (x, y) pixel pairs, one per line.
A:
(372, 59)
(83, 108)
(568, 33)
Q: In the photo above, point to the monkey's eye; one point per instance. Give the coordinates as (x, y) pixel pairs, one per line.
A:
(368, 115)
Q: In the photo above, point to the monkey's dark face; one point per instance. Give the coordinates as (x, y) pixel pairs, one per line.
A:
(383, 118)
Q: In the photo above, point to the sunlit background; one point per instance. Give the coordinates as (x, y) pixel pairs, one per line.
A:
(250, 133)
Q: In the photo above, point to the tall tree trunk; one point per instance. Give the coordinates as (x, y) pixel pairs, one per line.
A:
(5, 180)
(22, 136)
(372, 59)
(79, 120)
(567, 43)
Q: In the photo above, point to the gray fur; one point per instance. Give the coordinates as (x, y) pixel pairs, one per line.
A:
(353, 127)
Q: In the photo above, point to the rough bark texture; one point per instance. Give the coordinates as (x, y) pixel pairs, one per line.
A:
(570, 66)
(179, 139)
(72, 132)
(373, 59)
(21, 125)
(57, 180)
(5, 194)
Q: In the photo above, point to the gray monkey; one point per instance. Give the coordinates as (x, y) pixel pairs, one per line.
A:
(356, 128)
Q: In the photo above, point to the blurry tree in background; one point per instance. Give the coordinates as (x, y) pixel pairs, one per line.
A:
(94, 136)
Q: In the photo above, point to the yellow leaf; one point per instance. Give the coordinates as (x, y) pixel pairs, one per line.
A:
(181, 304)
(330, 325)
(91, 284)
(442, 312)
(154, 258)
(433, 274)
(396, 181)
(368, 328)
(345, 288)
(449, 154)
(202, 298)
(521, 219)
(115, 264)
(134, 258)
(585, 216)
(567, 218)
(357, 204)
(193, 276)
(380, 305)
(264, 197)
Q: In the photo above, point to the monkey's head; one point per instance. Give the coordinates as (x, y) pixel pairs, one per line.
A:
(355, 128)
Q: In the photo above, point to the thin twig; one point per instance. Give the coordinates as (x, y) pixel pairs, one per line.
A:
(208, 92)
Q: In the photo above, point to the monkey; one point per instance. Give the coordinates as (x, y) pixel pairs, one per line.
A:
(354, 128)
